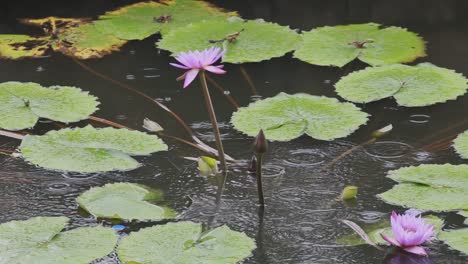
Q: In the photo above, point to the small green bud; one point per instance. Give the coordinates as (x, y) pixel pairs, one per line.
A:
(349, 192)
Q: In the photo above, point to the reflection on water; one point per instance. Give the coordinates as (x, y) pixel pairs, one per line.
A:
(301, 220)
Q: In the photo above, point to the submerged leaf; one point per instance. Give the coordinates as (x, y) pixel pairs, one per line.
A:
(461, 144)
(22, 104)
(420, 85)
(141, 20)
(244, 41)
(430, 187)
(184, 242)
(39, 240)
(285, 117)
(457, 239)
(88, 149)
(124, 201)
(338, 45)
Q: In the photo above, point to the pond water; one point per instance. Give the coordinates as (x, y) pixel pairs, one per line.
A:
(301, 220)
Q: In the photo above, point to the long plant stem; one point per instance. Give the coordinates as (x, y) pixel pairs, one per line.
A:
(214, 122)
(221, 89)
(258, 175)
(11, 134)
(249, 81)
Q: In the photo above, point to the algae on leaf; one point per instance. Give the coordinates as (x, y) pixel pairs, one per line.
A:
(141, 20)
(39, 240)
(430, 187)
(89, 149)
(124, 201)
(420, 85)
(22, 104)
(457, 239)
(286, 117)
(338, 45)
(244, 41)
(184, 242)
(461, 144)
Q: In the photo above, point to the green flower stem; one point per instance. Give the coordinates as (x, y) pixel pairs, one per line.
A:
(214, 122)
(11, 134)
(258, 175)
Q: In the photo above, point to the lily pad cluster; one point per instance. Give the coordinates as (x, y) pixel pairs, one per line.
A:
(461, 144)
(430, 187)
(89, 149)
(420, 85)
(22, 104)
(124, 201)
(285, 117)
(338, 45)
(456, 238)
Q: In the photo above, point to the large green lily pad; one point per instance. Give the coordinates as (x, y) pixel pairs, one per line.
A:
(430, 187)
(77, 38)
(89, 149)
(183, 243)
(22, 104)
(286, 117)
(39, 240)
(338, 45)
(257, 40)
(124, 201)
(461, 144)
(141, 20)
(420, 85)
(457, 239)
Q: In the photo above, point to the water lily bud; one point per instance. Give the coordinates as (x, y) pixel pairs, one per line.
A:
(260, 143)
(382, 131)
(349, 192)
(207, 165)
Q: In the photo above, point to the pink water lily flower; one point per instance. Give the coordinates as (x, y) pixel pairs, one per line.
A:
(410, 231)
(196, 61)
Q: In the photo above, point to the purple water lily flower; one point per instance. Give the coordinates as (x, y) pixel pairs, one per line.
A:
(196, 61)
(410, 231)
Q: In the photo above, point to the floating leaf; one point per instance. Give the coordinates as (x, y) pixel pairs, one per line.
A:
(461, 144)
(38, 240)
(338, 45)
(88, 149)
(285, 117)
(420, 85)
(430, 187)
(244, 41)
(124, 201)
(457, 239)
(22, 104)
(184, 242)
(349, 192)
(141, 20)
(19, 46)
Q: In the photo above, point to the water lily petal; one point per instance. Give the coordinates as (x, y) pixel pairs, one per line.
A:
(179, 66)
(416, 250)
(390, 240)
(190, 76)
(215, 69)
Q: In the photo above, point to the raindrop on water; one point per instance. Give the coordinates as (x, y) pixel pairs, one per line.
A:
(130, 77)
(419, 119)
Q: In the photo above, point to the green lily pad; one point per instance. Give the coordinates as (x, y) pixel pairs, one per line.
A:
(461, 145)
(420, 85)
(39, 240)
(430, 187)
(19, 46)
(257, 40)
(22, 104)
(338, 45)
(184, 242)
(141, 20)
(457, 239)
(286, 117)
(124, 201)
(89, 149)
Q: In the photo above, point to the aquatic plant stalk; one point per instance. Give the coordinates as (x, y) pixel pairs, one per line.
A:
(214, 122)
(260, 148)
(221, 89)
(11, 134)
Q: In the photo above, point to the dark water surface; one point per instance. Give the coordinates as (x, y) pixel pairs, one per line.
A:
(301, 221)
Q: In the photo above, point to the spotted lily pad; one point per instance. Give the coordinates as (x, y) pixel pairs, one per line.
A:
(243, 40)
(286, 117)
(39, 240)
(420, 85)
(77, 38)
(461, 144)
(22, 104)
(457, 239)
(141, 20)
(124, 201)
(89, 149)
(184, 242)
(430, 187)
(338, 45)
